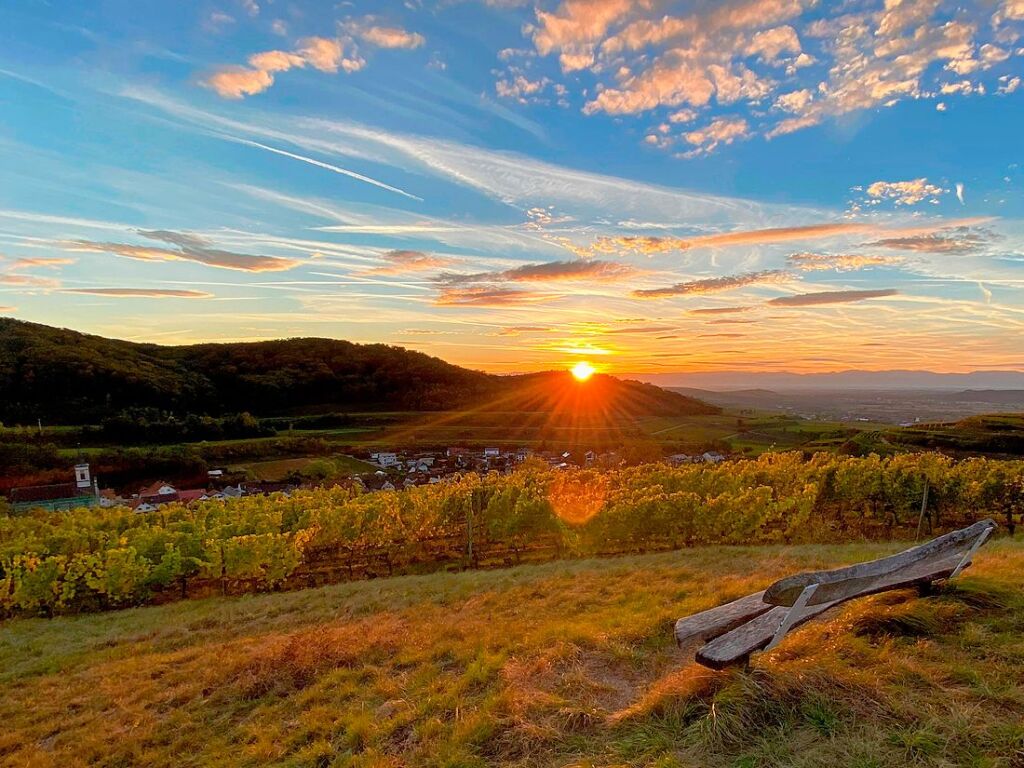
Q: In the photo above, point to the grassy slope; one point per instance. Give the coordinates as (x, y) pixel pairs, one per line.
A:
(569, 663)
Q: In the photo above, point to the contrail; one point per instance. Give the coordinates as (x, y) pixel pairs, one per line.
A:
(960, 192)
(327, 166)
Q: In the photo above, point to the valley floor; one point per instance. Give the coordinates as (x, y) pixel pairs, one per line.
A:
(567, 663)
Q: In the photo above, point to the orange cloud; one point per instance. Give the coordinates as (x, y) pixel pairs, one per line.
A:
(552, 270)
(713, 284)
(325, 54)
(276, 61)
(402, 261)
(719, 310)
(29, 281)
(489, 296)
(322, 53)
(391, 37)
(642, 329)
(40, 261)
(840, 262)
(830, 297)
(236, 82)
(656, 244)
(909, 192)
(516, 330)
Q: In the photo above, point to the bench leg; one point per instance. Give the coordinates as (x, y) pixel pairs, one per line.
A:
(966, 559)
(792, 616)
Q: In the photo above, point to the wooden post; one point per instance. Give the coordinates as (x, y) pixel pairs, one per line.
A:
(924, 507)
(469, 527)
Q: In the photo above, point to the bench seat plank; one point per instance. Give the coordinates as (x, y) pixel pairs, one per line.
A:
(717, 621)
(844, 583)
(736, 645)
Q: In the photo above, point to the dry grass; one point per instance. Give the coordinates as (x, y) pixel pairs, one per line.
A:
(570, 663)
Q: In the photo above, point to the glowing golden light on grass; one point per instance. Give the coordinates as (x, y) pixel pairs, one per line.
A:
(582, 370)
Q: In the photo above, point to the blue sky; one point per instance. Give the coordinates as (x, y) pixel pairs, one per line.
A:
(653, 186)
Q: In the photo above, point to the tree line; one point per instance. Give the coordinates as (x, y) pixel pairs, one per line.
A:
(65, 377)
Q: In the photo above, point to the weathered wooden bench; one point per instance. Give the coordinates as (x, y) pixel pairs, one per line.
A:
(732, 632)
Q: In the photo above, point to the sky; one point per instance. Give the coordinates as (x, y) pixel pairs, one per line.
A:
(651, 186)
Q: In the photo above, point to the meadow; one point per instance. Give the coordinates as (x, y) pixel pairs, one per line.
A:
(569, 663)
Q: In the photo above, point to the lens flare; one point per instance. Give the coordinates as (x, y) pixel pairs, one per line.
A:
(582, 370)
(576, 496)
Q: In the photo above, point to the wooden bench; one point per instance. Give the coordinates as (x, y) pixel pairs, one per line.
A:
(732, 632)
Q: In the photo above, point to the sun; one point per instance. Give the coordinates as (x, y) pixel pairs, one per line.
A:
(582, 370)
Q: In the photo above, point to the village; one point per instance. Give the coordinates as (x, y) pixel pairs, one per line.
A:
(395, 470)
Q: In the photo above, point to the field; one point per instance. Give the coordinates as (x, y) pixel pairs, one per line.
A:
(279, 469)
(413, 429)
(567, 663)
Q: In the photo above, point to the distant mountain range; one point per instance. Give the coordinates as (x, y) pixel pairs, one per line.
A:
(63, 376)
(840, 380)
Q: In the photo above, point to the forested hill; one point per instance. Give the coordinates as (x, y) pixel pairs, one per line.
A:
(62, 376)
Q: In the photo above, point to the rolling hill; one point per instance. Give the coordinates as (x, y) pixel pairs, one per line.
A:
(64, 376)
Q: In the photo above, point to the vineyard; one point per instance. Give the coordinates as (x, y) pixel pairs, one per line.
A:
(95, 559)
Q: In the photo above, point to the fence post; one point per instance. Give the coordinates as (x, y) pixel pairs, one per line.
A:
(469, 526)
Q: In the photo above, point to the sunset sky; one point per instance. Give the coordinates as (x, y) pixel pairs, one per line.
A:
(649, 186)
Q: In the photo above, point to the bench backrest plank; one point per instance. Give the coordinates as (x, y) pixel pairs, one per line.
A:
(843, 583)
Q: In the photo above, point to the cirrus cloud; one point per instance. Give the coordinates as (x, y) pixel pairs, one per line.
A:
(840, 262)
(404, 261)
(189, 248)
(713, 284)
(489, 296)
(548, 271)
(831, 297)
(147, 293)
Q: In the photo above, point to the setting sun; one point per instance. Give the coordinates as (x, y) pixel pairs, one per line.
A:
(582, 370)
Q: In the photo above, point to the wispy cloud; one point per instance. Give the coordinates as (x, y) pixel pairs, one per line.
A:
(831, 297)
(490, 296)
(519, 330)
(29, 281)
(29, 262)
(659, 244)
(147, 293)
(719, 310)
(961, 241)
(840, 262)
(550, 271)
(189, 248)
(713, 284)
(640, 329)
(400, 262)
